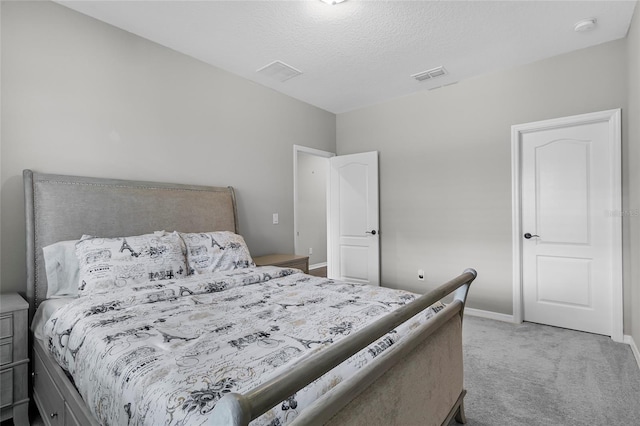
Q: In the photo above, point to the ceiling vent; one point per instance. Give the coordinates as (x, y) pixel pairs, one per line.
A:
(280, 71)
(429, 74)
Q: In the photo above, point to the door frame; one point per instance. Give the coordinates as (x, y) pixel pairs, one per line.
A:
(613, 117)
(318, 153)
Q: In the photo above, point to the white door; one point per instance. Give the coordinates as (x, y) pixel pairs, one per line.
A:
(568, 241)
(353, 246)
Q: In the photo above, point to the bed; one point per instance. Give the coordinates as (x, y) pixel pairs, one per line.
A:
(414, 380)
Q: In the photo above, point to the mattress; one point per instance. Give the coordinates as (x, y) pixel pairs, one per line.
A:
(45, 310)
(165, 353)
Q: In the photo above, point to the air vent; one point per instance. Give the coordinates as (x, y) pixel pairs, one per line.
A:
(429, 74)
(279, 71)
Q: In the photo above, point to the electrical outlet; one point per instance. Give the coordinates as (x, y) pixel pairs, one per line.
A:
(276, 220)
(310, 251)
(421, 274)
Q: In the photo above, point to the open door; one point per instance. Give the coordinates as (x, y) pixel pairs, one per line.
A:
(353, 213)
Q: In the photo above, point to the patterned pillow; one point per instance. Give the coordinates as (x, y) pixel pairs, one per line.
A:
(216, 251)
(108, 263)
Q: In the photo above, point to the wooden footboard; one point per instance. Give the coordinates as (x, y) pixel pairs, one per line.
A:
(421, 384)
(419, 381)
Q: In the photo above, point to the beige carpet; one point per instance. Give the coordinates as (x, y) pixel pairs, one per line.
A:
(532, 374)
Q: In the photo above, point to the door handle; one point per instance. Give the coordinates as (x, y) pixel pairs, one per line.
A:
(529, 236)
(372, 232)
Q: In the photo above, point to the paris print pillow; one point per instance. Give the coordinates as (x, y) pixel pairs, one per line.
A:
(216, 251)
(108, 263)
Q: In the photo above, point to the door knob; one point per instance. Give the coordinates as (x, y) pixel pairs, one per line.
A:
(529, 236)
(372, 232)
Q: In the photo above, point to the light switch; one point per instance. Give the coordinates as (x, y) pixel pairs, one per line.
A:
(275, 219)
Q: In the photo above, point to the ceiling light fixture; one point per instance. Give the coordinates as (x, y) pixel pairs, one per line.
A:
(585, 25)
(332, 2)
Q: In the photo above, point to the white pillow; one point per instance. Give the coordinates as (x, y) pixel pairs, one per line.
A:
(110, 263)
(216, 251)
(62, 268)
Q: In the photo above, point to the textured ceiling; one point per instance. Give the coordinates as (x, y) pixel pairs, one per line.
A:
(359, 53)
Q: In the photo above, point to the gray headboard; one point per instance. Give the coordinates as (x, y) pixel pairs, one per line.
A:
(60, 208)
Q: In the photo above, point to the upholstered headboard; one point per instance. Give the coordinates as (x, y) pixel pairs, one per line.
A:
(60, 208)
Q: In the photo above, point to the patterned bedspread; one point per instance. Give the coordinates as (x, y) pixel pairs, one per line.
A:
(164, 353)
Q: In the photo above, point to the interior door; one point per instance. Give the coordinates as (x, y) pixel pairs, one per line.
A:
(567, 237)
(354, 237)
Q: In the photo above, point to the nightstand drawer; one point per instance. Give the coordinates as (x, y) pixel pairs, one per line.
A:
(298, 264)
(14, 359)
(6, 326)
(284, 261)
(6, 351)
(6, 391)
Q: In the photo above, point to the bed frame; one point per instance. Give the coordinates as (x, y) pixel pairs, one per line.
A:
(417, 381)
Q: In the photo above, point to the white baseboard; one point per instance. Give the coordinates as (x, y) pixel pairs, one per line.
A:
(489, 315)
(317, 265)
(634, 348)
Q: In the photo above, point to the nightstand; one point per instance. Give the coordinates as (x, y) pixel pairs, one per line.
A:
(284, 261)
(14, 364)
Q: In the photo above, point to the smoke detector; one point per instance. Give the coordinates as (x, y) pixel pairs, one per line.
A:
(430, 74)
(280, 71)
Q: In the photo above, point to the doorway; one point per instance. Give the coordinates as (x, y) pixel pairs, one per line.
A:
(567, 238)
(310, 192)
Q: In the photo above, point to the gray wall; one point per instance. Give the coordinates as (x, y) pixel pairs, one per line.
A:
(312, 207)
(445, 165)
(0, 145)
(82, 97)
(633, 165)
